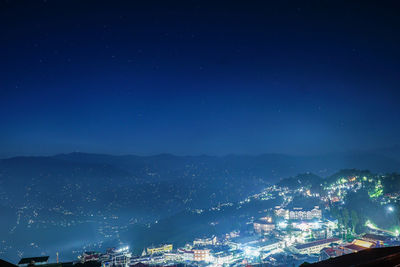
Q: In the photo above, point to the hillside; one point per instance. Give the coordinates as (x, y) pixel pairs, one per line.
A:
(90, 199)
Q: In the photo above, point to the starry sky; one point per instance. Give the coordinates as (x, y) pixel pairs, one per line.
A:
(198, 77)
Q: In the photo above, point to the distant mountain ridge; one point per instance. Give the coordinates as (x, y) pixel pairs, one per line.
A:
(165, 182)
(224, 177)
(276, 166)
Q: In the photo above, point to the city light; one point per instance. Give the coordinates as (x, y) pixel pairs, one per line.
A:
(282, 225)
(123, 249)
(369, 224)
(251, 252)
(390, 208)
(316, 225)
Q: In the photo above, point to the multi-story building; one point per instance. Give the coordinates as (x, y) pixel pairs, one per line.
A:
(379, 240)
(89, 256)
(315, 213)
(221, 258)
(298, 213)
(159, 249)
(357, 245)
(315, 246)
(264, 225)
(201, 254)
(267, 245)
(281, 212)
(116, 257)
(187, 255)
(171, 256)
(240, 241)
(205, 241)
(327, 253)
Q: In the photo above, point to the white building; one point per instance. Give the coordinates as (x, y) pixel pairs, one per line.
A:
(187, 255)
(202, 254)
(222, 258)
(281, 212)
(205, 241)
(314, 247)
(116, 257)
(264, 225)
(299, 213)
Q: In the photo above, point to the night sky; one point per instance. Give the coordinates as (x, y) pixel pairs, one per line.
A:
(198, 77)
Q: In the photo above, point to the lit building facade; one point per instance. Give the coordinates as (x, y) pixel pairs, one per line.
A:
(160, 249)
(299, 213)
(314, 247)
(201, 254)
(263, 225)
(205, 241)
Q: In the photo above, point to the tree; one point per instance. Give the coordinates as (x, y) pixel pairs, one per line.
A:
(340, 222)
(346, 219)
(354, 220)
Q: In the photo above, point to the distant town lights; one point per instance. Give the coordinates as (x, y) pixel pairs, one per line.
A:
(390, 209)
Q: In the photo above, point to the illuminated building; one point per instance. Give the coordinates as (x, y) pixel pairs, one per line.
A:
(301, 214)
(89, 256)
(205, 241)
(328, 253)
(201, 254)
(240, 241)
(264, 225)
(267, 244)
(357, 245)
(315, 246)
(379, 240)
(298, 213)
(116, 257)
(222, 258)
(170, 256)
(160, 249)
(187, 255)
(281, 212)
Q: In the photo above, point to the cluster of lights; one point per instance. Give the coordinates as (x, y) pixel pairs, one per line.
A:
(369, 224)
(123, 249)
(251, 252)
(282, 224)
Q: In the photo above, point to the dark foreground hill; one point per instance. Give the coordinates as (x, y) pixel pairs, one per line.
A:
(383, 257)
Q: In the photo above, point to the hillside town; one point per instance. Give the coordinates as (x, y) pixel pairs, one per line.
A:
(296, 231)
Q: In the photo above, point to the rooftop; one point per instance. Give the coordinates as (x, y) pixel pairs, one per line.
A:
(354, 247)
(244, 239)
(264, 243)
(332, 252)
(34, 259)
(260, 221)
(376, 237)
(317, 243)
(388, 256)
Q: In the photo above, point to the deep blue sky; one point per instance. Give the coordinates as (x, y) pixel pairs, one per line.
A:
(197, 77)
